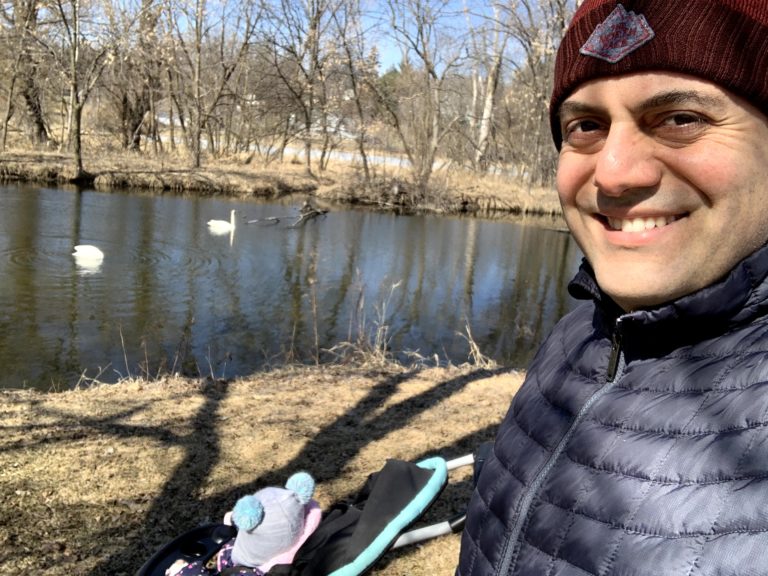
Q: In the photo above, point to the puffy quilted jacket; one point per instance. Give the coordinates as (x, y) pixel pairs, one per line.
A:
(638, 444)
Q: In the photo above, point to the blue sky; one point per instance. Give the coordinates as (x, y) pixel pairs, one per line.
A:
(454, 14)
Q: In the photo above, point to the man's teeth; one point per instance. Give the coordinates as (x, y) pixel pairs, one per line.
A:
(639, 224)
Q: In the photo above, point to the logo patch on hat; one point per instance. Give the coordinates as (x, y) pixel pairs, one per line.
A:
(618, 35)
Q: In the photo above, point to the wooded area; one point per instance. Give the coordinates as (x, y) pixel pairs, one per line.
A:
(258, 77)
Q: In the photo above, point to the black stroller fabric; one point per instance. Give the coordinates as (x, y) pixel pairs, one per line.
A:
(353, 536)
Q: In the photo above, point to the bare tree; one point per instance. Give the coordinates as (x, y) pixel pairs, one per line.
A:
(208, 46)
(431, 55)
(536, 28)
(22, 20)
(298, 34)
(360, 72)
(257, 75)
(85, 56)
(269, 105)
(135, 80)
(485, 93)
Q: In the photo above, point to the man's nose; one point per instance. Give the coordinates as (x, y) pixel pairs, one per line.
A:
(626, 161)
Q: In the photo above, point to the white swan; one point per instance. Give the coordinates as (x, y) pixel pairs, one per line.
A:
(88, 252)
(88, 257)
(222, 226)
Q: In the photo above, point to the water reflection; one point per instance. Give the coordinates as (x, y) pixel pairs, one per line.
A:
(168, 295)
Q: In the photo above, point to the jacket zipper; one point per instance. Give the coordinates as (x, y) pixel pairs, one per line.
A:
(613, 374)
(615, 357)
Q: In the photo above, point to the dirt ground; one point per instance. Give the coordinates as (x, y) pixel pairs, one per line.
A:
(93, 481)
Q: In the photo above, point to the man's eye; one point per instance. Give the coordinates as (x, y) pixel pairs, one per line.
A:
(681, 127)
(683, 119)
(581, 133)
(582, 126)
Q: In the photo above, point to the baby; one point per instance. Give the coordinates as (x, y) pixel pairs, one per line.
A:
(272, 524)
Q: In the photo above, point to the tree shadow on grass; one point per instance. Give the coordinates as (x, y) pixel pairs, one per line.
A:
(179, 507)
(174, 509)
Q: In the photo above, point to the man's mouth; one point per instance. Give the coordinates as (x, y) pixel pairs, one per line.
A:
(640, 224)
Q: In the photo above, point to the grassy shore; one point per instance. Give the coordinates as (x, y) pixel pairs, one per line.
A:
(450, 192)
(93, 481)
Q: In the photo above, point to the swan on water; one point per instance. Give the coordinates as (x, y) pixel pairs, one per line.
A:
(87, 252)
(88, 258)
(222, 226)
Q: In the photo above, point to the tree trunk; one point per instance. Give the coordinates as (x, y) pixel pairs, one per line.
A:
(77, 143)
(36, 130)
(26, 73)
(132, 115)
(157, 144)
(136, 116)
(8, 114)
(308, 139)
(489, 107)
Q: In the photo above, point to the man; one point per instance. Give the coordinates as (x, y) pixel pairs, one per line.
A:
(639, 443)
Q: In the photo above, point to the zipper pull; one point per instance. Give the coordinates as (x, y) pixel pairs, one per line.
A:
(613, 361)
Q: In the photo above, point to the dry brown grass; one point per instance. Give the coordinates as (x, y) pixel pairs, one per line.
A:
(452, 190)
(162, 174)
(92, 481)
(494, 193)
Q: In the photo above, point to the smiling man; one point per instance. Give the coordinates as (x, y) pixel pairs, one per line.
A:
(662, 179)
(639, 443)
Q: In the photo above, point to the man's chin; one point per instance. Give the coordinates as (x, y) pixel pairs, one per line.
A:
(631, 292)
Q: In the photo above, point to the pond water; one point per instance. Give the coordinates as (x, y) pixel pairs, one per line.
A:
(170, 296)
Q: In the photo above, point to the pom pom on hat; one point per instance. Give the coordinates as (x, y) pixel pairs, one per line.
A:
(271, 521)
(303, 485)
(248, 513)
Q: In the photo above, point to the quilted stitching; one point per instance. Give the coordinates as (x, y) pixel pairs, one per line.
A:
(689, 428)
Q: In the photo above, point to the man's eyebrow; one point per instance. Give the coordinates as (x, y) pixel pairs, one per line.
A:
(677, 97)
(660, 100)
(577, 108)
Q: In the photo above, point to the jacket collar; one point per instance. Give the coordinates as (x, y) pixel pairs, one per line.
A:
(736, 299)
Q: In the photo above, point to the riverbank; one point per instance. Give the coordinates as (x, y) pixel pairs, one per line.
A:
(92, 481)
(451, 192)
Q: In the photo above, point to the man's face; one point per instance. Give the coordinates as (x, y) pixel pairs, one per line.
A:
(663, 180)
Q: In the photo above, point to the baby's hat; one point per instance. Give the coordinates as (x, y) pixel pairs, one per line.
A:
(271, 521)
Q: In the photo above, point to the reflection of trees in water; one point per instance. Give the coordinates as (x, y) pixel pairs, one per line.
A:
(171, 297)
(22, 319)
(333, 287)
(536, 298)
(532, 297)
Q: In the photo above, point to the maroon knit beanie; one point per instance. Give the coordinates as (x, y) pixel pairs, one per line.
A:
(723, 41)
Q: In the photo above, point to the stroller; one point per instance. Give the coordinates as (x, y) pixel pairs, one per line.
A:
(352, 536)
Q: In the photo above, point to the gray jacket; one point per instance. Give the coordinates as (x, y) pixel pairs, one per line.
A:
(638, 444)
